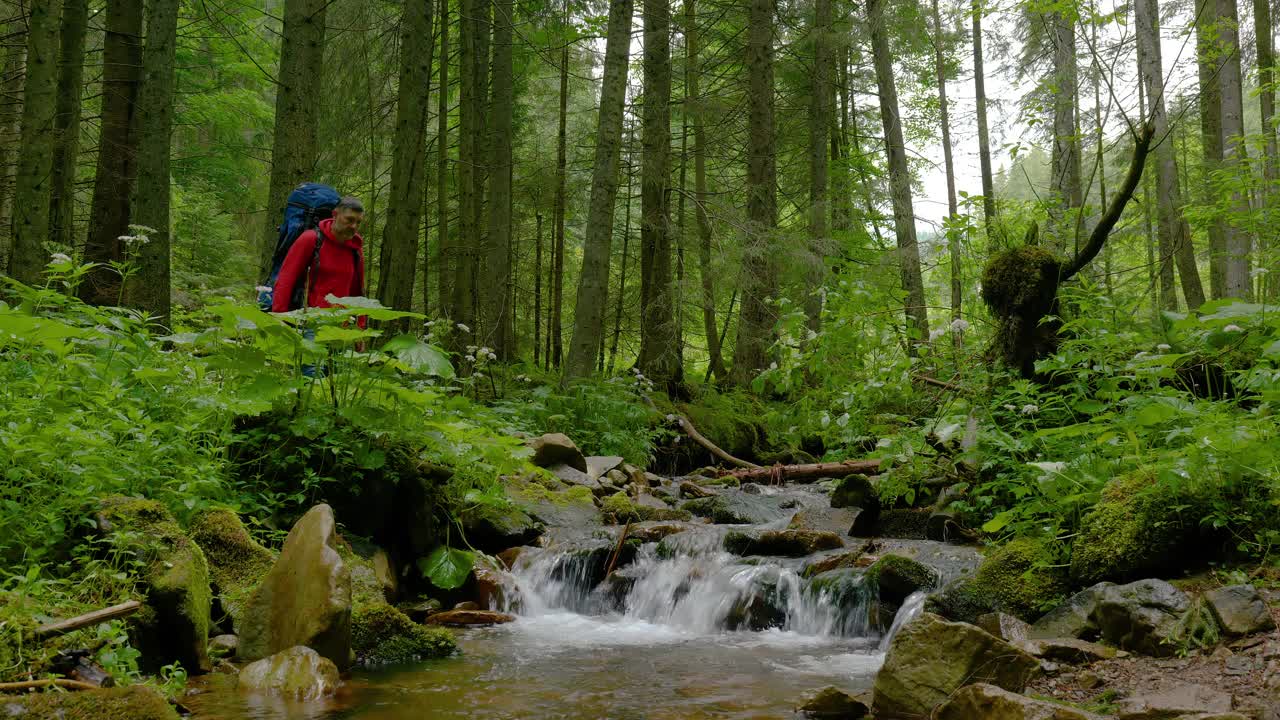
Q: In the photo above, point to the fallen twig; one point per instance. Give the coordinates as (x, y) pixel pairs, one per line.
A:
(11, 687)
(714, 449)
(62, 627)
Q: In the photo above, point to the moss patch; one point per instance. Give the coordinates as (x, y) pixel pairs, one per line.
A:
(896, 577)
(1141, 526)
(1020, 581)
(136, 702)
(237, 563)
(618, 509)
(382, 635)
(176, 582)
(1020, 286)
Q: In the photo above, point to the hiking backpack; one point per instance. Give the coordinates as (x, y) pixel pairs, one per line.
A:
(308, 204)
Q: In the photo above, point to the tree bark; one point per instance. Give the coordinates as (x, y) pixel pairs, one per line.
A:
(399, 255)
(537, 294)
(1065, 160)
(693, 72)
(35, 159)
(593, 282)
(899, 178)
(1265, 45)
(75, 24)
(984, 142)
(759, 271)
(626, 255)
(445, 262)
(473, 27)
(1209, 62)
(150, 290)
(659, 349)
(499, 332)
(1175, 234)
(953, 238)
(294, 148)
(1236, 281)
(821, 111)
(117, 151)
(15, 57)
(554, 326)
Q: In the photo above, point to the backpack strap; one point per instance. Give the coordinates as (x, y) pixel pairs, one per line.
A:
(314, 266)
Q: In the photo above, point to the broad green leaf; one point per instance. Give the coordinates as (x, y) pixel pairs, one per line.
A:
(426, 359)
(997, 523)
(1089, 407)
(446, 567)
(1155, 414)
(329, 334)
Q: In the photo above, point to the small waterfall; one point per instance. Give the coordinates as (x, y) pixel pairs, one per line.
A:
(910, 610)
(687, 582)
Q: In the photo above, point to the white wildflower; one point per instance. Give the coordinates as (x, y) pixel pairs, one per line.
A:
(478, 376)
(471, 358)
(884, 443)
(1009, 407)
(1163, 347)
(263, 288)
(773, 366)
(1141, 354)
(464, 328)
(1233, 328)
(59, 258)
(936, 333)
(959, 325)
(493, 356)
(1030, 409)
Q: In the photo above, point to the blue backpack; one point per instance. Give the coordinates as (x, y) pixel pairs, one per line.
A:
(308, 204)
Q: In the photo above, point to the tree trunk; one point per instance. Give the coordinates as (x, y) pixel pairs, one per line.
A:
(1209, 63)
(294, 148)
(117, 151)
(899, 178)
(1265, 45)
(1236, 281)
(446, 261)
(150, 290)
(473, 27)
(984, 142)
(841, 187)
(626, 254)
(75, 23)
(659, 349)
(499, 332)
(35, 159)
(693, 71)
(537, 294)
(820, 114)
(593, 282)
(1065, 161)
(399, 255)
(15, 57)
(1175, 234)
(555, 338)
(759, 269)
(953, 234)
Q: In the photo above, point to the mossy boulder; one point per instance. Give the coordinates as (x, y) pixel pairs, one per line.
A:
(1146, 616)
(174, 625)
(735, 509)
(989, 702)
(297, 672)
(900, 523)
(237, 563)
(781, 543)
(136, 702)
(896, 577)
(1144, 525)
(556, 506)
(855, 491)
(382, 635)
(493, 528)
(618, 508)
(1018, 579)
(557, 449)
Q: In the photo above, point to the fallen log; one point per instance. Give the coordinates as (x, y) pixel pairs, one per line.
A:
(809, 472)
(62, 627)
(692, 432)
(25, 685)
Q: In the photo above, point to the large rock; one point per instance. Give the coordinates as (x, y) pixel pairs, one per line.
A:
(855, 491)
(175, 577)
(988, 702)
(820, 565)
(1017, 579)
(618, 508)
(1070, 651)
(1005, 627)
(556, 448)
(1141, 526)
(831, 703)
(555, 507)
(598, 466)
(469, 618)
(298, 672)
(1182, 700)
(896, 577)
(305, 599)
(135, 702)
(824, 519)
(382, 635)
(1240, 610)
(1073, 618)
(735, 508)
(237, 563)
(492, 528)
(781, 543)
(930, 658)
(1142, 616)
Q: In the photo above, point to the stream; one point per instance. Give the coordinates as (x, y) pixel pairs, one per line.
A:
(682, 629)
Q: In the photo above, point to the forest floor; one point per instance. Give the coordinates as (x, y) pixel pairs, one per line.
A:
(1247, 669)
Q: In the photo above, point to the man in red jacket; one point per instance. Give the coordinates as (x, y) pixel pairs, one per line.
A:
(339, 266)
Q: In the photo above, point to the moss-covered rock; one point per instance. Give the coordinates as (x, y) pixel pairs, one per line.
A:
(1141, 527)
(781, 543)
(298, 672)
(855, 491)
(734, 509)
(175, 626)
(618, 508)
(896, 577)
(136, 702)
(1020, 286)
(492, 528)
(237, 562)
(382, 635)
(1018, 579)
(901, 523)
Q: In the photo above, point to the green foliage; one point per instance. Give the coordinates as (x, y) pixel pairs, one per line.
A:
(382, 635)
(602, 417)
(447, 568)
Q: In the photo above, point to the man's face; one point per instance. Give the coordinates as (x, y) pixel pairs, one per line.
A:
(346, 223)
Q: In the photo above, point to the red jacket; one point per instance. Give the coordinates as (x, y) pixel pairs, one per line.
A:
(341, 269)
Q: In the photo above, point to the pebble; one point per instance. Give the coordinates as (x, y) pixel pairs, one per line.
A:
(1089, 680)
